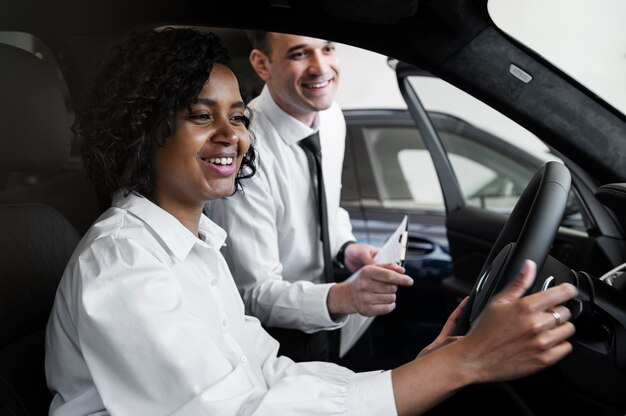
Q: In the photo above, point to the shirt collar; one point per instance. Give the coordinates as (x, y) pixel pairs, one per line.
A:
(290, 129)
(172, 233)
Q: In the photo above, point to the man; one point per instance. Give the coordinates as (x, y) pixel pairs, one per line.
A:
(274, 248)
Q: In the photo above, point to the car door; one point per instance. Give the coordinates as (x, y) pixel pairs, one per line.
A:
(388, 173)
(481, 181)
(377, 195)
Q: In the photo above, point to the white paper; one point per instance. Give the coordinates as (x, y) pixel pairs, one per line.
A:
(392, 252)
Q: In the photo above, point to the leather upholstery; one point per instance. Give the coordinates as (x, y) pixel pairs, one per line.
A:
(36, 241)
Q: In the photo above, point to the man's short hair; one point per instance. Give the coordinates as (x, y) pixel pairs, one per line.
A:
(260, 40)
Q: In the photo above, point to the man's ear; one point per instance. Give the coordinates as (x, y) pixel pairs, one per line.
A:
(259, 62)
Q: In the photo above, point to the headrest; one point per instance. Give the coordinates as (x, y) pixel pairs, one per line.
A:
(34, 124)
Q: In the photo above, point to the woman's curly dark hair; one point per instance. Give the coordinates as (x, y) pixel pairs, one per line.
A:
(132, 106)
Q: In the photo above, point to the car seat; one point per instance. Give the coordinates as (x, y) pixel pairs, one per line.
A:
(36, 241)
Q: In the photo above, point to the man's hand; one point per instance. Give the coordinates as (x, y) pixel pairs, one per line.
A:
(372, 293)
(358, 255)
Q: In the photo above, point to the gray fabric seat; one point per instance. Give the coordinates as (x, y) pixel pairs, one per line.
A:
(36, 241)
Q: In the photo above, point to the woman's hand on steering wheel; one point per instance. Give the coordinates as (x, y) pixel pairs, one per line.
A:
(517, 335)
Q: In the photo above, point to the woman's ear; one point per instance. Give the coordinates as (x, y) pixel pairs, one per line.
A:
(260, 63)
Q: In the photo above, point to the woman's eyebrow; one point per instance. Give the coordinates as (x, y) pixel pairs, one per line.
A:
(212, 103)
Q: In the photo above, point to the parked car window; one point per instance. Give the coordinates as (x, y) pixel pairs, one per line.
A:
(491, 171)
(488, 179)
(493, 157)
(403, 170)
(406, 178)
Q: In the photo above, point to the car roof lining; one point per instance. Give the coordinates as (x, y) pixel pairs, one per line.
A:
(385, 12)
(545, 106)
(438, 37)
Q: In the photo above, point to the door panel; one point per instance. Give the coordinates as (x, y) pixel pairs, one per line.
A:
(482, 176)
(378, 197)
(472, 232)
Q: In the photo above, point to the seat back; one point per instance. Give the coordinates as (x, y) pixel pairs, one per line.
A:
(36, 241)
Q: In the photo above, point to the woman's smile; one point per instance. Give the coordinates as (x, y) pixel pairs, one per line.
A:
(223, 164)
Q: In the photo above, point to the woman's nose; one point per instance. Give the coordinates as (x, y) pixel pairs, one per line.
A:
(226, 133)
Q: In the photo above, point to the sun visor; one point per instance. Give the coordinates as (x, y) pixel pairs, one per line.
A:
(34, 123)
(370, 11)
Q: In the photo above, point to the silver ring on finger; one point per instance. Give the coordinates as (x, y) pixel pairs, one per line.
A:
(557, 317)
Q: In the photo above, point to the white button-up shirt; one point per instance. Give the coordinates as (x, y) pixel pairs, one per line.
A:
(274, 249)
(147, 321)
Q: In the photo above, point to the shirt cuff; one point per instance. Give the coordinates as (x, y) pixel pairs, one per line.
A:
(371, 393)
(315, 309)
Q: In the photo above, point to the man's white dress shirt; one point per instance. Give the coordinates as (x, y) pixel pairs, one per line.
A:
(147, 321)
(273, 248)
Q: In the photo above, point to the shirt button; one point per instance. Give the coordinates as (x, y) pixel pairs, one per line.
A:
(243, 358)
(213, 282)
(224, 323)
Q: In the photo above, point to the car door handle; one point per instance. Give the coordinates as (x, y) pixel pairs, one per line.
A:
(419, 246)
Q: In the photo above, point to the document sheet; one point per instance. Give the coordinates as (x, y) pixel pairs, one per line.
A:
(393, 251)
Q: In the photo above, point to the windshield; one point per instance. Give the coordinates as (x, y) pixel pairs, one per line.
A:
(585, 39)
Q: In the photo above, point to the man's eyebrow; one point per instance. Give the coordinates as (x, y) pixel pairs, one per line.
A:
(212, 103)
(296, 47)
(304, 46)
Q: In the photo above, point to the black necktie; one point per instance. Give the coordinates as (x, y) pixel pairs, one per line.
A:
(312, 148)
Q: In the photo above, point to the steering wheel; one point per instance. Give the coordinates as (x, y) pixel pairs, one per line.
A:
(528, 234)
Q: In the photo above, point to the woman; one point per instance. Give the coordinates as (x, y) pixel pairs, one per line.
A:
(147, 319)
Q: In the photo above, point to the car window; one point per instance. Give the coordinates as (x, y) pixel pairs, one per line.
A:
(439, 96)
(402, 168)
(491, 170)
(420, 183)
(493, 158)
(484, 146)
(405, 176)
(492, 181)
